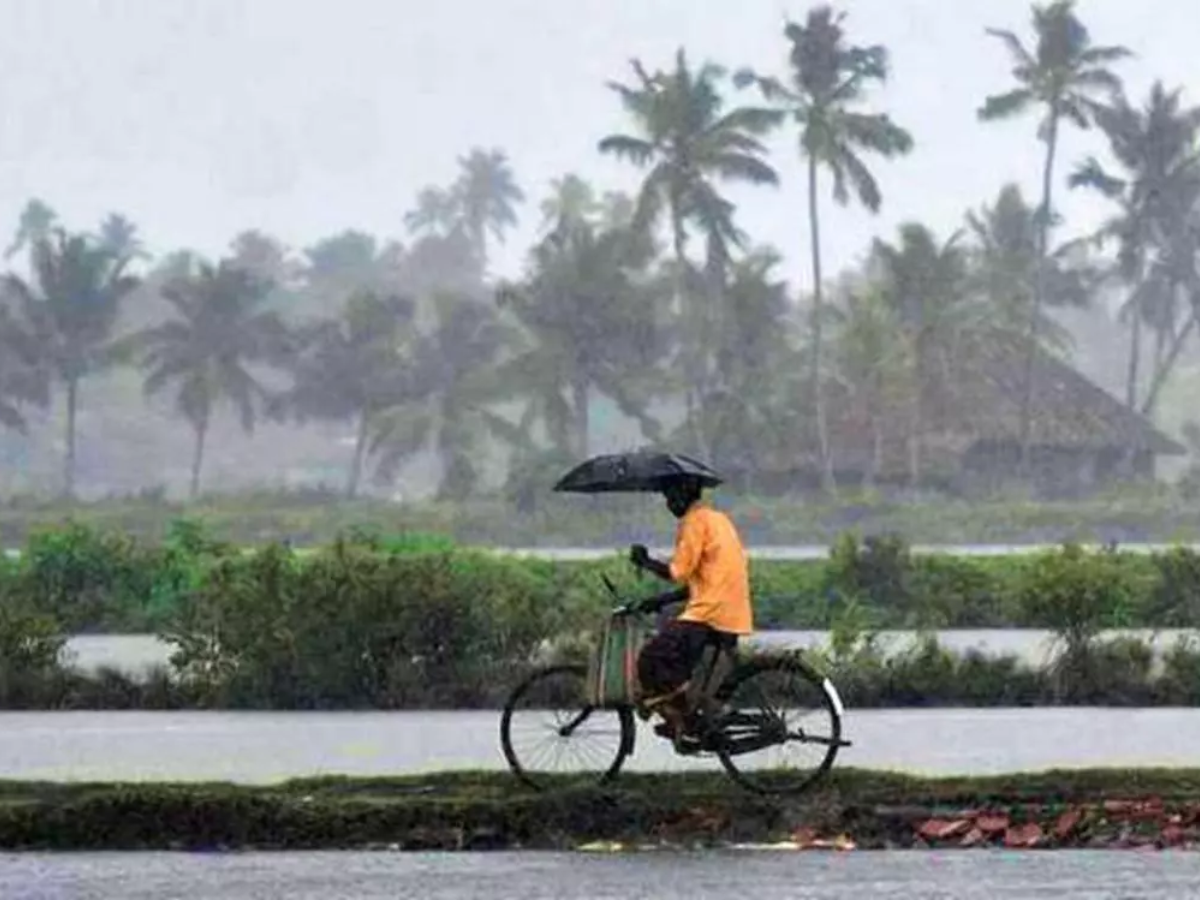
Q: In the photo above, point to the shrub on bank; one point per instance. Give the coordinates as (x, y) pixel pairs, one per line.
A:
(348, 627)
(93, 580)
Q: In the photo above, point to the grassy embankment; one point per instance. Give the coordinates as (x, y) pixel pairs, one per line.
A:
(478, 811)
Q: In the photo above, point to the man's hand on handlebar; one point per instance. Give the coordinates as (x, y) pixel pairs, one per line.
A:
(640, 557)
(658, 601)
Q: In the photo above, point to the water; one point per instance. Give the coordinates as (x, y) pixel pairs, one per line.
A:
(1069, 875)
(137, 652)
(258, 747)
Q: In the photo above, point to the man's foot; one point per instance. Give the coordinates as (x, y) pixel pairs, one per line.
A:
(683, 740)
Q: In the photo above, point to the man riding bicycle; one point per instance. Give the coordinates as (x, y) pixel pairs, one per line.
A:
(710, 562)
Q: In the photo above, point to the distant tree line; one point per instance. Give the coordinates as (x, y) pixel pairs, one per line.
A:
(649, 299)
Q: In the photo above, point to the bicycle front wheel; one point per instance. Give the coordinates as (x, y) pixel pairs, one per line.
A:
(782, 726)
(548, 728)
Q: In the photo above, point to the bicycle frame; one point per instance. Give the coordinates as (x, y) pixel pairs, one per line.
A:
(707, 678)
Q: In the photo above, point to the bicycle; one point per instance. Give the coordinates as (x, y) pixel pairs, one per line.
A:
(731, 729)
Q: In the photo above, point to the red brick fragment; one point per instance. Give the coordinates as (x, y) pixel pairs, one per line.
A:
(973, 838)
(992, 823)
(943, 829)
(1172, 836)
(1028, 835)
(1066, 823)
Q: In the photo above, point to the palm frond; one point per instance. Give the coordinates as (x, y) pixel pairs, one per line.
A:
(1021, 56)
(749, 169)
(1099, 56)
(636, 150)
(1007, 105)
(1091, 174)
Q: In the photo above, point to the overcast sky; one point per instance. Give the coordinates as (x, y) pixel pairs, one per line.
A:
(305, 117)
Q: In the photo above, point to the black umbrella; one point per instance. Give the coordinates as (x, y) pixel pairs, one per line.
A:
(640, 471)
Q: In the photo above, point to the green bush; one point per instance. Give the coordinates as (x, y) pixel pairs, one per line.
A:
(348, 627)
(1174, 600)
(85, 579)
(1179, 682)
(30, 643)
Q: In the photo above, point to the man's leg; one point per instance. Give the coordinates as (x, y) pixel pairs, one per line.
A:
(677, 657)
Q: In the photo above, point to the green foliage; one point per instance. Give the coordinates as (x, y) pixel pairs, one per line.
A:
(30, 642)
(412, 620)
(351, 627)
(399, 542)
(90, 579)
(1175, 599)
(85, 578)
(102, 579)
(1076, 593)
(877, 567)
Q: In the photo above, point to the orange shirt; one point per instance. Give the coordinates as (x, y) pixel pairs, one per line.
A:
(710, 560)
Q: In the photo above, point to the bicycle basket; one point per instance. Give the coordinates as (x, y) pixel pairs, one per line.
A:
(612, 672)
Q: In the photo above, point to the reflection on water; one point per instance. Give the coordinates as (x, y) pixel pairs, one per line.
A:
(1069, 875)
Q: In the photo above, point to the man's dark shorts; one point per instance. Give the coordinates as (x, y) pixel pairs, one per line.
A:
(669, 658)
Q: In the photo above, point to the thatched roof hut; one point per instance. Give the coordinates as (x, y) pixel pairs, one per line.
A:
(1080, 435)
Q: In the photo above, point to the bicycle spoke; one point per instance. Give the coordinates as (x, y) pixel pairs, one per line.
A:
(787, 701)
(546, 728)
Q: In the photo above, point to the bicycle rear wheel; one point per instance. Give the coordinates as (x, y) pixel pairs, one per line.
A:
(548, 728)
(781, 726)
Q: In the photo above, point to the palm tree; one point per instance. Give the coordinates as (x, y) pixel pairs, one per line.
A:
(437, 212)
(872, 361)
(590, 312)
(23, 376)
(70, 307)
(356, 366)
(827, 81)
(688, 141)
(1156, 150)
(265, 257)
(343, 265)
(926, 285)
(1004, 262)
(119, 236)
(744, 415)
(487, 195)
(209, 349)
(455, 385)
(616, 210)
(571, 200)
(37, 220)
(1064, 75)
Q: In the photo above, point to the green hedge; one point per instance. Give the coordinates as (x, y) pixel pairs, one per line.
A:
(413, 620)
(94, 580)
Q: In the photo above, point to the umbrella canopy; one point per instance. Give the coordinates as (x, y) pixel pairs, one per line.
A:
(641, 471)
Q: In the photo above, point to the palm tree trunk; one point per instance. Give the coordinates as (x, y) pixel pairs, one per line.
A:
(1160, 344)
(1168, 363)
(1039, 289)
(690, 354)
(69, 458)
(198, 456)
(916, 436)
(818, 393)
(875, 414)
(1135, 352)
(360, 452)
(579, 398)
